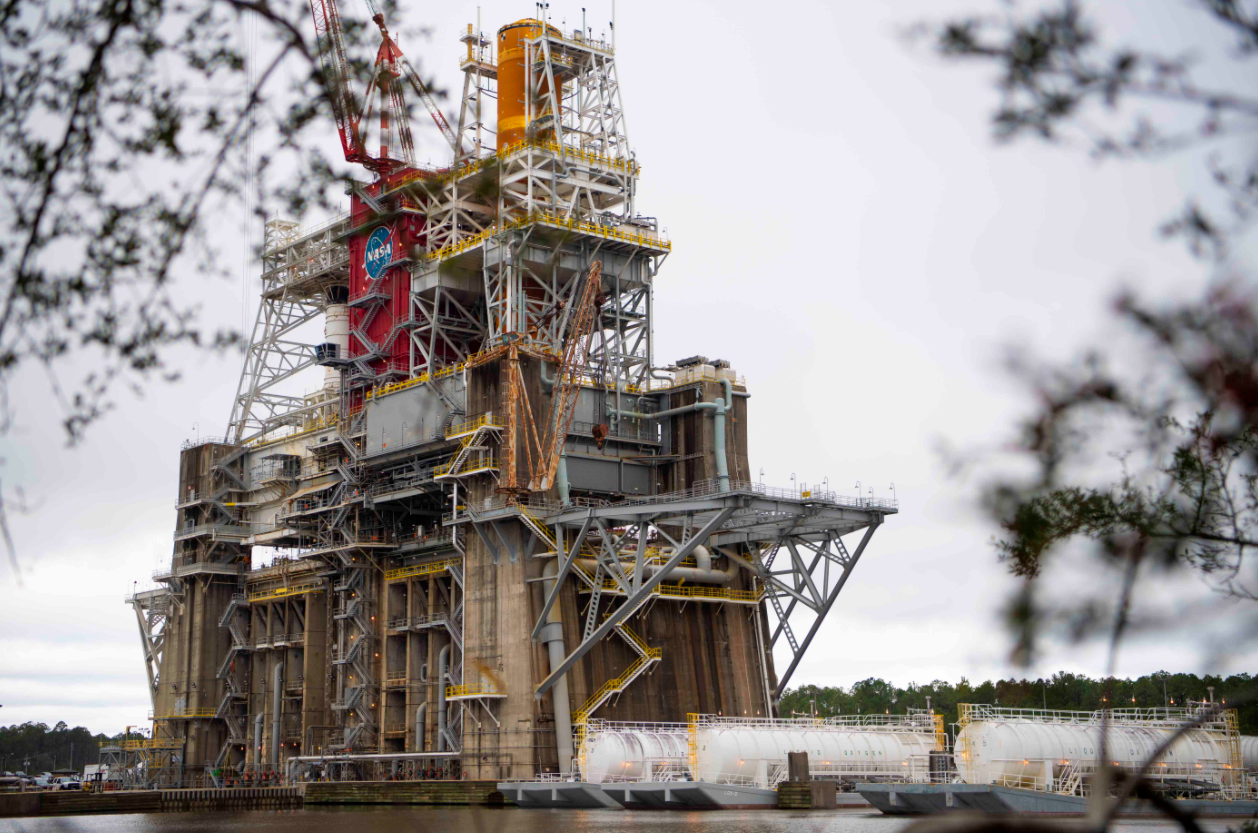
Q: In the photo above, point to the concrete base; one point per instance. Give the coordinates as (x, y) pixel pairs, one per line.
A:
(557, 794)
(921, 799)
(690, 795)
(806, 795)
(67, 802)
(403, 792)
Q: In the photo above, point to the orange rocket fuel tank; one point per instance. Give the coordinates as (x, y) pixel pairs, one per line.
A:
(512, 107)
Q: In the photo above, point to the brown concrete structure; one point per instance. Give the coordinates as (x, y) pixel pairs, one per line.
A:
(361, 583)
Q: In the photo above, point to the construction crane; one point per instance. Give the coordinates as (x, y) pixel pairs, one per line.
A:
(390, 66)
(413, 77)
(563, 400)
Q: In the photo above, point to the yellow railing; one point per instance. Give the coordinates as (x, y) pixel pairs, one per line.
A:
(633, 637)
(469, 426)
(616, 684)
(692, 743)
(421, 569)
(1232, 722)
(477, 466)
(317, 425)
(965, 745)
(473, 690)
(539, 527)
(179, 714)
(160, 743)
(546, 218)
(699, 591)
(442, 373)
(615, 163)
(288, 590)
(941, 736)
(693, 591)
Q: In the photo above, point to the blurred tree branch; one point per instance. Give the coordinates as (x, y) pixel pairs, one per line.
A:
(1188, 492)
(123, 121)
(1180, 412)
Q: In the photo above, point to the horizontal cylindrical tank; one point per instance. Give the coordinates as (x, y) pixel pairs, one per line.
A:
(736, 753)
(625, 753)
(987, 751)
(1249, 752)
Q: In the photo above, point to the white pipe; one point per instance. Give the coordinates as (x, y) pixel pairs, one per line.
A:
(257, 740)
(702, 574)
(552, 636)
(443, 660)
(420, 714)
(277, 707)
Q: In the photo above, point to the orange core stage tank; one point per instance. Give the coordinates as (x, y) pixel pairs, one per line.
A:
(513, 116)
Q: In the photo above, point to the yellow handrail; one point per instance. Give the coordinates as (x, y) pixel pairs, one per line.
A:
(282, 592)
(469, 426)
(421, 569)
(472, 689)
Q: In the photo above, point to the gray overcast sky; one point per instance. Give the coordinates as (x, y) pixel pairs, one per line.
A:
(845, 233)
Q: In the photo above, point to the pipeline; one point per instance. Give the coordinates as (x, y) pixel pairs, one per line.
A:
(369, 757)
(700, 574)
(561, 477)
(552, 636)
(420, 714)
(277, 707)
(257, 741)
(443, 660)
(719, 408)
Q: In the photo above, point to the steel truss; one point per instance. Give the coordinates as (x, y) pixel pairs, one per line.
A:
(480, 82)
(577, 79)
(298, 272)
(749, 528)
(152, 607)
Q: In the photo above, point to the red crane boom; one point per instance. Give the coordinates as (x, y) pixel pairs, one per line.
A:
(330, 41)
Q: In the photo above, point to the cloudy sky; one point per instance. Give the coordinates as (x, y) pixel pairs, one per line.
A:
(845, 234)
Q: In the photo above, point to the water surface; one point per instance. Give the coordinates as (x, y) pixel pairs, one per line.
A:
(505, 820)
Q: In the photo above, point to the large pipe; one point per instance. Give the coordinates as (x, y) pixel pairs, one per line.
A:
(552, 637)
(443, 660)
(257, 740)
(701, 574)
(719, 408)
(277, 706)
(565, 490)
(420, 714)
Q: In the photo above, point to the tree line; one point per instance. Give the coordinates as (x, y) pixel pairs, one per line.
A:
(1074, 692)
(33, 747)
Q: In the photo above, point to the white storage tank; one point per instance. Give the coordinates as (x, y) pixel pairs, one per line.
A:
(633, 752)
(750, 754)
(1016, 750)
(1249, 752)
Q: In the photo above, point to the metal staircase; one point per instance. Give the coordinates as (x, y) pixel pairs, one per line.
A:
(647, 658)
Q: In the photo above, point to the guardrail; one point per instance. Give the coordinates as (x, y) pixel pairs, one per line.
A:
(474, 690)
(270, 593)
(422, 569)
(472, 424)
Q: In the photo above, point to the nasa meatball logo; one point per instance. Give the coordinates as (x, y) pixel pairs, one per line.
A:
(379, 252)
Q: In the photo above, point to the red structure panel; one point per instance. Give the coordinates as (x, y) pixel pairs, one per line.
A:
(377, 324)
